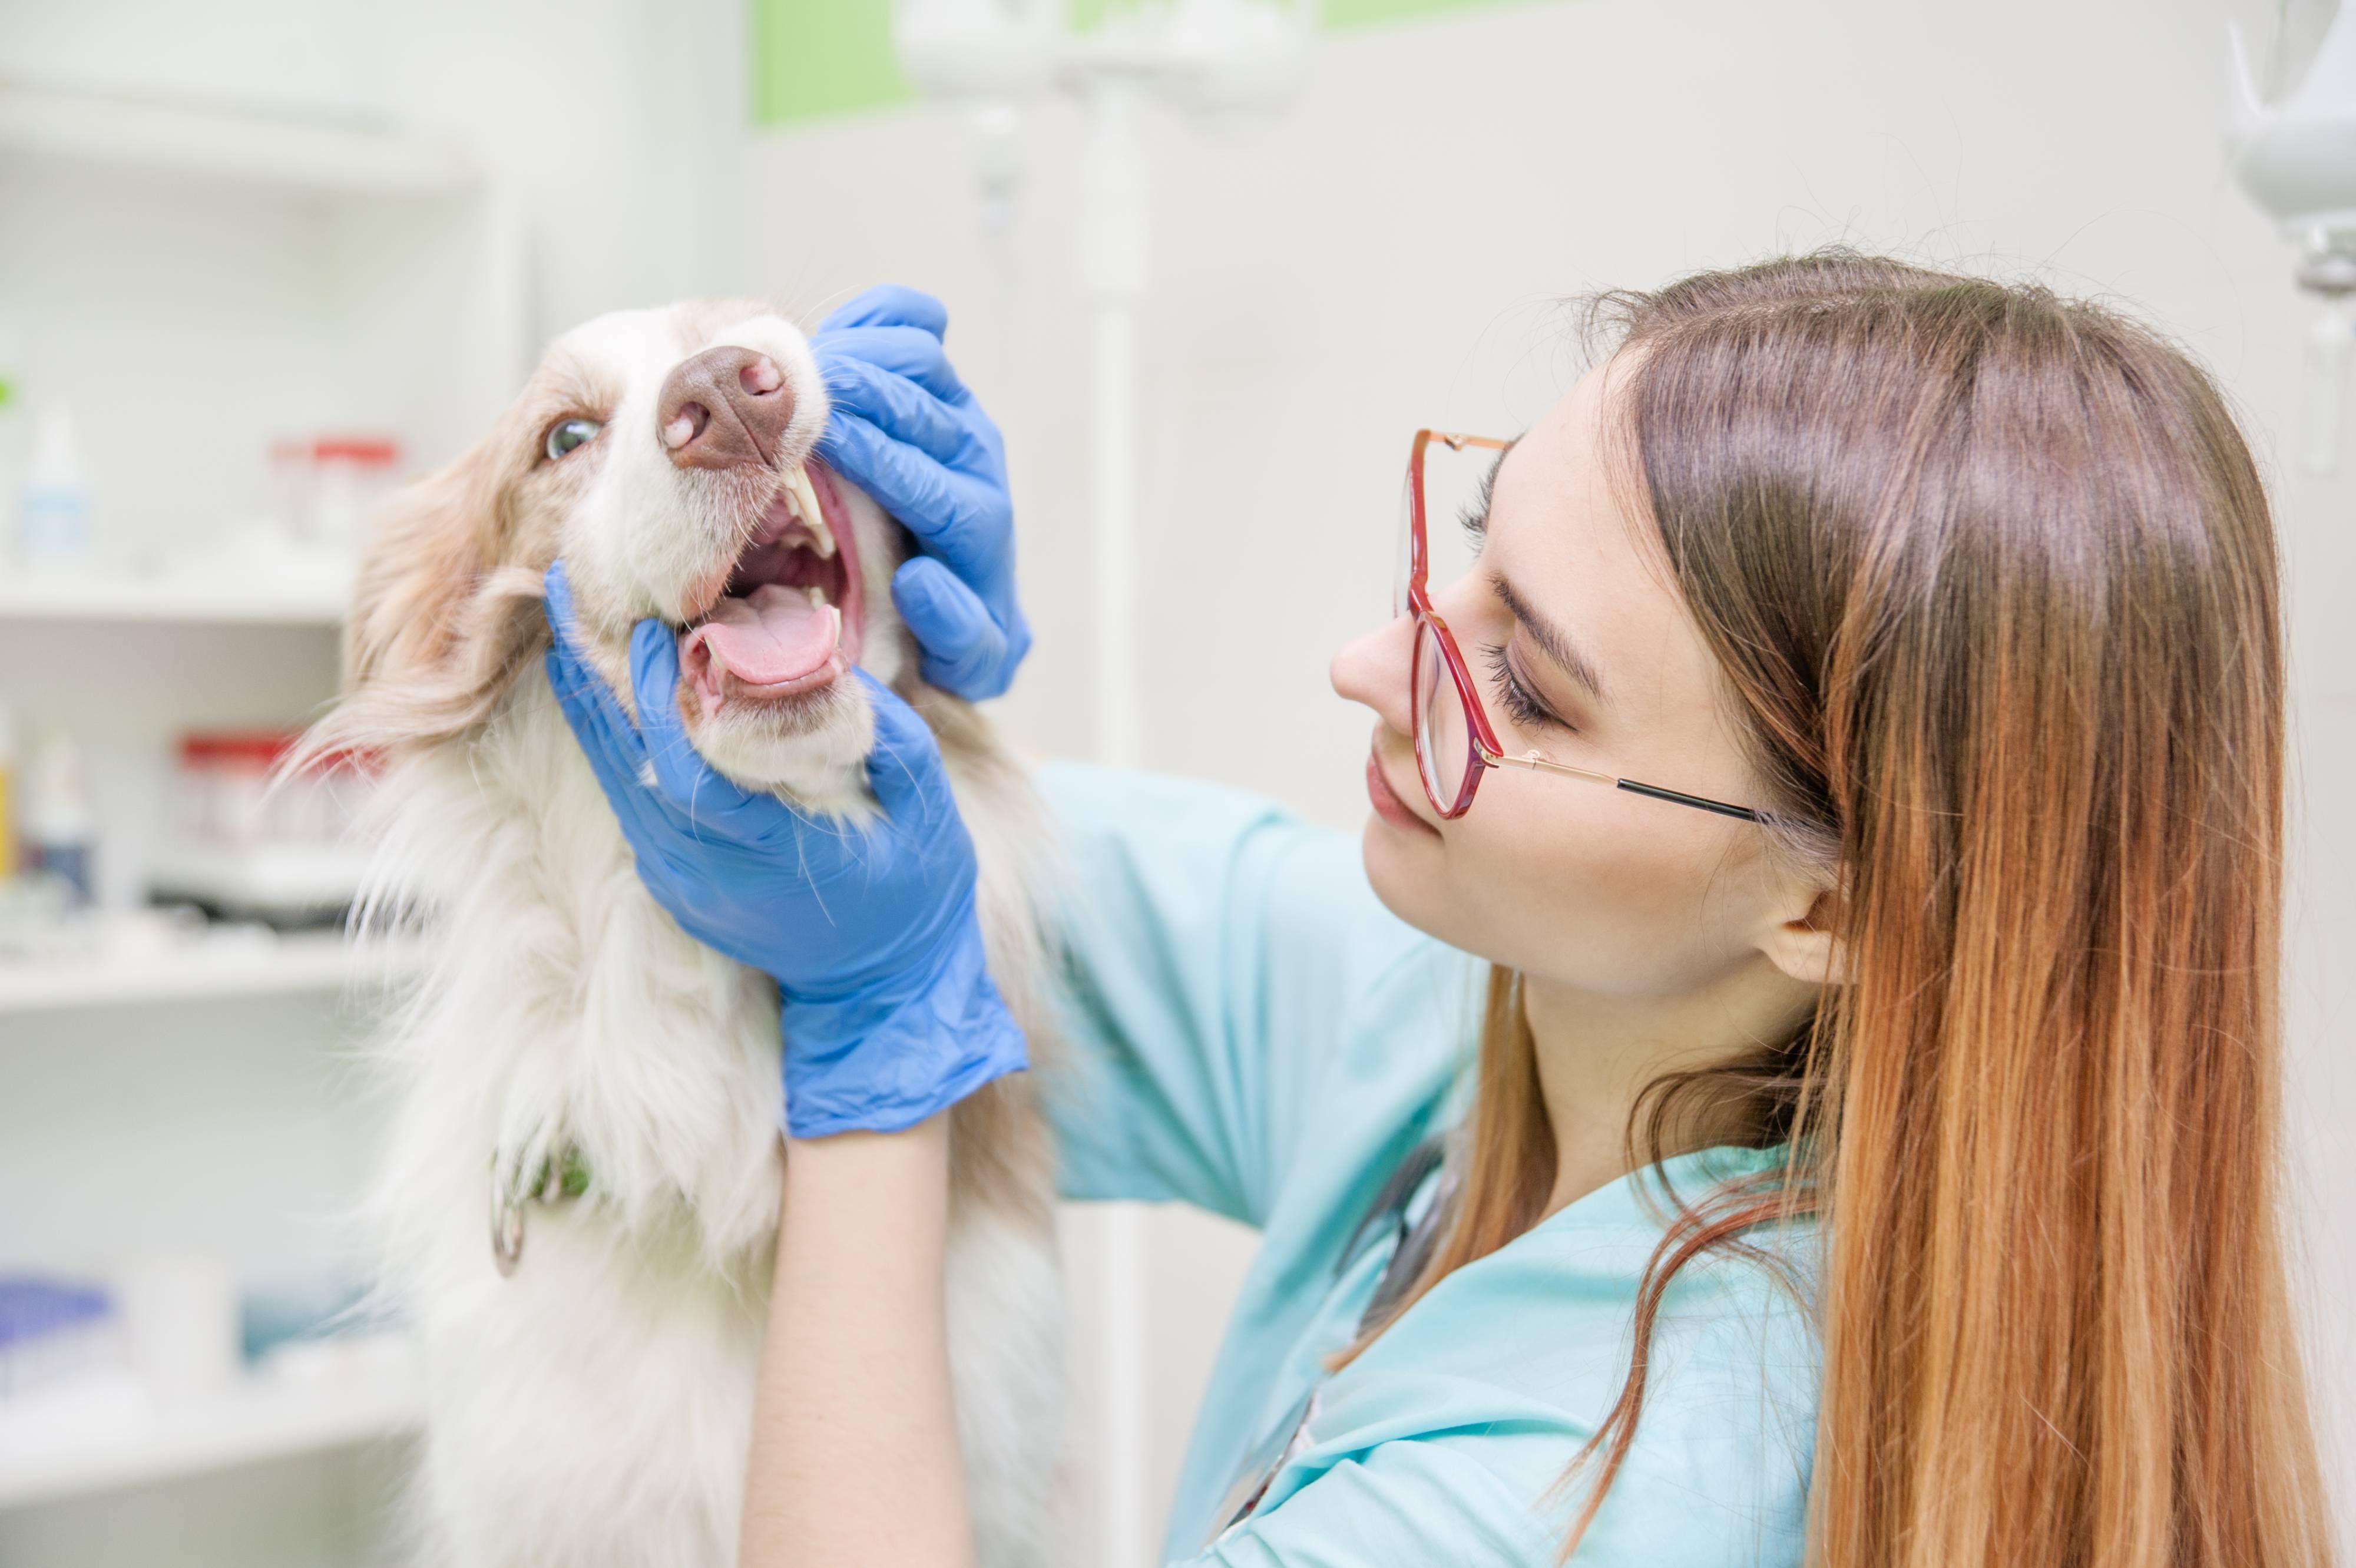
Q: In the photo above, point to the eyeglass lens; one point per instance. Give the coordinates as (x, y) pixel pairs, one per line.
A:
(1443, 743)
(1452, 494)
(1453, 500)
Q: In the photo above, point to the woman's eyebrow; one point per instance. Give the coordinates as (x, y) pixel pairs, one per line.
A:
(1554, 641)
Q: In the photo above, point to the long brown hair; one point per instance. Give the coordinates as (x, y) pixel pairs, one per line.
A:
(1992, 582)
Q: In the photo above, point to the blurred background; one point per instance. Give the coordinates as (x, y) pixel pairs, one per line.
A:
(262, 259)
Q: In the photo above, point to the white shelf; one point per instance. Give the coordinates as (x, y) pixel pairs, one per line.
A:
(204, 601)
(48, 1453)
(223, 143)
(199, 971)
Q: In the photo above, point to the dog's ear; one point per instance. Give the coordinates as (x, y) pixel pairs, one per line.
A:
(438, 626)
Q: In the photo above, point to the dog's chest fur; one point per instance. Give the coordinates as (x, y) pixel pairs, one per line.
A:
(596, 1407)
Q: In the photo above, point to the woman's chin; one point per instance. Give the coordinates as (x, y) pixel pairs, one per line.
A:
(1401, 867)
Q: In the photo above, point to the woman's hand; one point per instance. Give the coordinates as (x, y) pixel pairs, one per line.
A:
(906, 430)
(888, 1010)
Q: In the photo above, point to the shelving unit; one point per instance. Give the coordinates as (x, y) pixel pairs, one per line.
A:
(219, 144)
(269, 274)
(178, 600)
(46, 1456)
(208, 970)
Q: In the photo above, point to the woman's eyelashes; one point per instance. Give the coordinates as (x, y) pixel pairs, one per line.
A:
(1526, 708)
(1473, 517)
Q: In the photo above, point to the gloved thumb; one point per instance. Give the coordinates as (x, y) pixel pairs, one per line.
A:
(963, 647)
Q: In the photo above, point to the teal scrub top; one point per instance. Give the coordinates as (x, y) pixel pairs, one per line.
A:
(1256, 1035)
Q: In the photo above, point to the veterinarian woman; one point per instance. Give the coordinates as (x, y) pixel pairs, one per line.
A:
(1852, 773)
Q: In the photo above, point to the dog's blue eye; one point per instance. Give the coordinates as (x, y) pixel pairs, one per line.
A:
(567, 434)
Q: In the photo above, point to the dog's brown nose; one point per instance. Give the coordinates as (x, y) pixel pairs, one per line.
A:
(722, 408)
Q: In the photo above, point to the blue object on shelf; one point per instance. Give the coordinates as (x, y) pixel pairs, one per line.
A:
(286, 1312)
(49, 1328)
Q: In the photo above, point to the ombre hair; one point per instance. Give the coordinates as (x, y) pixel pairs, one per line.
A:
(1991, 580)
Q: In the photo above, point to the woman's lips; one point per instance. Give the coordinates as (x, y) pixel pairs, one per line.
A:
(1387, 805)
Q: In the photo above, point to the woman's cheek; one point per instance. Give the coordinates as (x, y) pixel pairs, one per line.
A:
(1583, 902)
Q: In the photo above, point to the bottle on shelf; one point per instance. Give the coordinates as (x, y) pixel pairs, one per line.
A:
(12, 433)
(7, 794)
(54, 516)
(59, 826)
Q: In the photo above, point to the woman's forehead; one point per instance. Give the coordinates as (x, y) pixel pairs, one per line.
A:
(1566, 536)
(1555, 509)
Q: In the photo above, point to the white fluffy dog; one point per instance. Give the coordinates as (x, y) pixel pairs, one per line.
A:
(581, 1186)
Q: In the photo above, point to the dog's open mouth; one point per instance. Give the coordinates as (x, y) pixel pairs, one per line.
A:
(788, 622)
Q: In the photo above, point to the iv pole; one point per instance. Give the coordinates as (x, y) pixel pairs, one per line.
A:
(1200, 54)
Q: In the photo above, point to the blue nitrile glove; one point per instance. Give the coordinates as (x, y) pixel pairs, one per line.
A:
(908, 432)
(885, 1000)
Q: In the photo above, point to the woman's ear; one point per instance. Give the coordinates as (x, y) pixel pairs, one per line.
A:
(1805, 947)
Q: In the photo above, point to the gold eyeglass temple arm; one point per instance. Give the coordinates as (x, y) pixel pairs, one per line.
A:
(1538, 759)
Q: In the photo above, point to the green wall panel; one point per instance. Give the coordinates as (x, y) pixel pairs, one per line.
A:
(1351, 13)
(825, 57)
(822, 57)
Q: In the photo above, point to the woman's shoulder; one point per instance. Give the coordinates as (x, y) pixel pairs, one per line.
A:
(1513, 1362)
(1559, 1304)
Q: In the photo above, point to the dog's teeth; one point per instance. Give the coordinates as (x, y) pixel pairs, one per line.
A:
(804, 500)
(817, 599)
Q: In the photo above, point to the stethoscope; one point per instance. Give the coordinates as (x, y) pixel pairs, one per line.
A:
(1413, 1236)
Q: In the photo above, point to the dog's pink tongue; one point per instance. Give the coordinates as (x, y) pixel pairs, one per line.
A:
(773, 637)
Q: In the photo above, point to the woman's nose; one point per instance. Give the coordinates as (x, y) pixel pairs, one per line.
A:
(1378, 669)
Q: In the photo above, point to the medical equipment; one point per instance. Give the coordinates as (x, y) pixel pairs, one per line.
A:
(1204, 56)
(2296, 158)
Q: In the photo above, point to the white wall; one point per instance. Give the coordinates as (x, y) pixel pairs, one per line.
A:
(1384, 255)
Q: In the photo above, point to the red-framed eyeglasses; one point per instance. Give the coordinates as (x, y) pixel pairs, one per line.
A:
(1454, 743)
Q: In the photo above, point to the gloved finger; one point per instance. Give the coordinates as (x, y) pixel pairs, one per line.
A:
(604, 732)
(904, 767)
(890, 304)
(615, 767)
(930, 500)
(681, 772)
(963, 646)
(598, 722)
(556, 603)
(905, 350)
(893, 402)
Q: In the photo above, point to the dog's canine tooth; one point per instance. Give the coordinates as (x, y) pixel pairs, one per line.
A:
(817, 599)
(804, 501)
